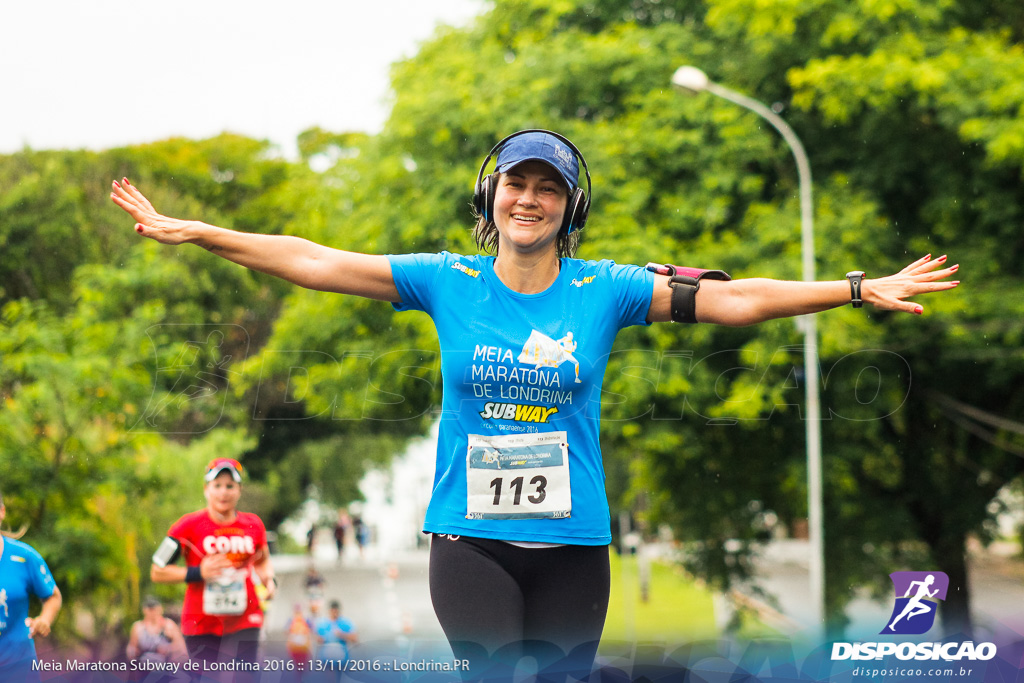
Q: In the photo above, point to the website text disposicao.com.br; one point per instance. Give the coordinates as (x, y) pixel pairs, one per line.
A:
(902, 673)
(955, 656)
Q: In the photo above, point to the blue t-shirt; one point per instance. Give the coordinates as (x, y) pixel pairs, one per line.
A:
(23, 572)
(333, 645)
(519, 456)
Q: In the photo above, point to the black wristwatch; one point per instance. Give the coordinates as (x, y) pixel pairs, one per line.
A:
(855, 277)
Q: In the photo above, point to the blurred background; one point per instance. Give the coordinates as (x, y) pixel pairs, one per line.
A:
(125, 366)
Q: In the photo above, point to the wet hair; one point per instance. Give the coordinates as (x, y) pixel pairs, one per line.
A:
(485, 233)
(12, 534)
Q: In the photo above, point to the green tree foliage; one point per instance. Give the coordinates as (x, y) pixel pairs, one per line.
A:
(69, 458)
(114, 357)
(911, 113)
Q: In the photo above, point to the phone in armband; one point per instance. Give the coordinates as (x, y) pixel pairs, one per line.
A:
(167, 553)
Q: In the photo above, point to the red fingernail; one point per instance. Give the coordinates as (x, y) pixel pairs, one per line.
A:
(955, 283)
(126, 182)
(941, 258)
(954, 267)
(138, 228)
(927, 256)
(918, 310)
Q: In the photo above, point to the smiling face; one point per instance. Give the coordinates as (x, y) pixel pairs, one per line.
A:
(222, 494)
(529, 205)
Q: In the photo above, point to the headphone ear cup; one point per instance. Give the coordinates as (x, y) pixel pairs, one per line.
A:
(483, 198)
(489, 187)
(576, 211)
(478, 196)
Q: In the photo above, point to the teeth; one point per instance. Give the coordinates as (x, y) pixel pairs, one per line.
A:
(520, 217)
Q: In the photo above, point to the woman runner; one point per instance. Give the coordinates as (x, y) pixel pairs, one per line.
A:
(518, 512)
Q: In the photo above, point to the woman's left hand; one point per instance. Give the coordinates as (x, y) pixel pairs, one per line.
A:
(921, 276)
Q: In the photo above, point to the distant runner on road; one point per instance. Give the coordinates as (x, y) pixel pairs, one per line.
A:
(221, 546)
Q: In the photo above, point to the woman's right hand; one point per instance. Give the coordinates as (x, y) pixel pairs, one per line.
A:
(148, 222)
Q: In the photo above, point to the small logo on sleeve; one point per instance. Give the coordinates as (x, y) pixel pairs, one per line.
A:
(462, 268)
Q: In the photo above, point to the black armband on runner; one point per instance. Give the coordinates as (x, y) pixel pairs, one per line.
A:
(684, 283)
(193, 574)
(167, 552)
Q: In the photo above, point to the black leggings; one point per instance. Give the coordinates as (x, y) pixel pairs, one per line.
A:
(499, 603)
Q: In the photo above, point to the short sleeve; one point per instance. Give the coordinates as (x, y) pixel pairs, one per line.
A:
(177, 530)
(414, 276)
(43, 584)
(260, 530)
(633, 288)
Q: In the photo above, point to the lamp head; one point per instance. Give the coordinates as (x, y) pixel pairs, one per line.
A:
(690, 79)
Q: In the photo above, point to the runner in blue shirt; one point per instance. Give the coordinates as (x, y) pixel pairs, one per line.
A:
(334, 634)
(23, 573)
(518, 512)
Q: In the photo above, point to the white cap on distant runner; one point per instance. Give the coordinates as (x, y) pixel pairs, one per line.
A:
(218, 465)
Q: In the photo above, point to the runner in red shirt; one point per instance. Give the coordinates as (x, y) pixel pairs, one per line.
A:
(221, 617)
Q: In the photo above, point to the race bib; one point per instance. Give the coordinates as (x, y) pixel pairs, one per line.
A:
(226, 595)
(520, 476)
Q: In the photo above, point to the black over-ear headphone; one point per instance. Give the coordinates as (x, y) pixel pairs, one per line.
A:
(576, 211)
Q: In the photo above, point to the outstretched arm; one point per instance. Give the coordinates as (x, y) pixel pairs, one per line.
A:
(294, 259)
(748, 301)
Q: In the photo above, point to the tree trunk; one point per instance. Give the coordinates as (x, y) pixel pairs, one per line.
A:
(951, 554)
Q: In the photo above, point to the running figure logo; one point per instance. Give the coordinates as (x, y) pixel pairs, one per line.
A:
(492, 457)
(914, 612)
(3, 601)
(542, 351)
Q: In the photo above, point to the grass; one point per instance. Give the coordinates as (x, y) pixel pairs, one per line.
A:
(678, 609)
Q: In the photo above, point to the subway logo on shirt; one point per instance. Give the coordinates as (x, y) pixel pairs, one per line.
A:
(519, 412)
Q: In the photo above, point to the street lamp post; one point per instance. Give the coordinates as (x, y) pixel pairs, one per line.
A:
(692, 80)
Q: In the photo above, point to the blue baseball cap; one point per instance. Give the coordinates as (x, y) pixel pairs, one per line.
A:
(540, 147)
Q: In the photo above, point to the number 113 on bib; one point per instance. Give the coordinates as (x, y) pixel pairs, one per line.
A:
(523, 476)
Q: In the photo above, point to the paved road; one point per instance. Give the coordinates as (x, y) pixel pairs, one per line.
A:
(996, 585)
(386, 598)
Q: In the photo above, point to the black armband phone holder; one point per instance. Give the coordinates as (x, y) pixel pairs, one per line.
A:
(167, 553)
(684, 283)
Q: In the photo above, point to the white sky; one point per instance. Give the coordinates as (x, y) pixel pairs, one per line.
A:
(81, 73)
